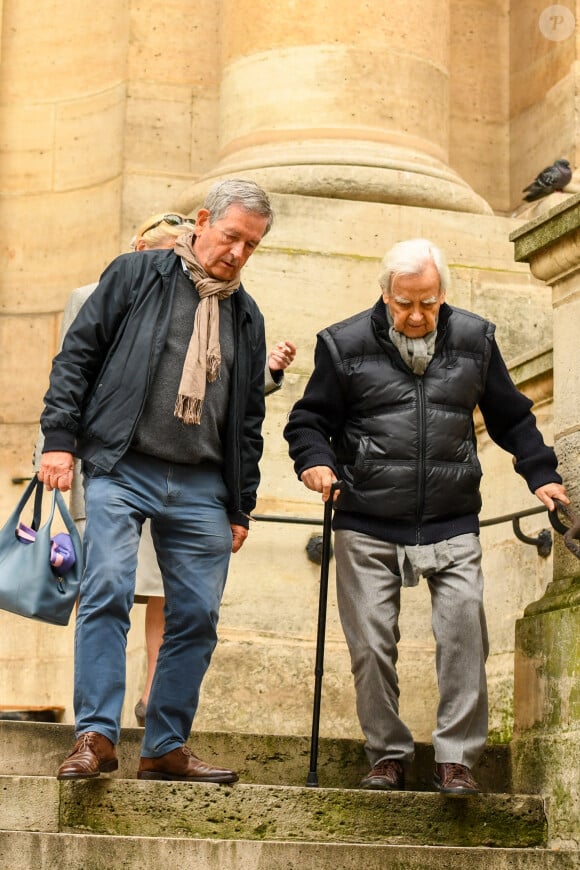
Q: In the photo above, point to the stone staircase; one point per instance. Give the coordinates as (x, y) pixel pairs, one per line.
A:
(268, 821)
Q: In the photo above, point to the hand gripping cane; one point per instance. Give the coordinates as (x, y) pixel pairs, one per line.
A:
(312, 780)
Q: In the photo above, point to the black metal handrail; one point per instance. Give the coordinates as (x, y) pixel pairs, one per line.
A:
(543, 542)
(315, 521)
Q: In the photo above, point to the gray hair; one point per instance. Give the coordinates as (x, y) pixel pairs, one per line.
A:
(237, 191)
(410, 258)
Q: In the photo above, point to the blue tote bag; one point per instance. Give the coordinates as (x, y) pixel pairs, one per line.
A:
(29, 584)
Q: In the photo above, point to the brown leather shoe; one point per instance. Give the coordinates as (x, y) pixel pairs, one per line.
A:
(92, 754)
(454, 779)
(182, 765)
(386, 775)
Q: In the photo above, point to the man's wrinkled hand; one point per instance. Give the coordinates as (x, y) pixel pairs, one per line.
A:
(320, 478)
(56, 470)
(239, 535)
(550, 491)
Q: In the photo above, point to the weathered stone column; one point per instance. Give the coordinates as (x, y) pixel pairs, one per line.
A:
(347, 101)
(546, 746)
(62, 108)
(62, 116)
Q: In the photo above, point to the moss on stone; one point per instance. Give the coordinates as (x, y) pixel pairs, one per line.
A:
(278, 813)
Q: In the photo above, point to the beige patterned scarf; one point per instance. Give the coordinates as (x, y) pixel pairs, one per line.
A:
(203, 357)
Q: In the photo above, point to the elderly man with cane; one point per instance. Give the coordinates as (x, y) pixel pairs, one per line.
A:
(389, 410)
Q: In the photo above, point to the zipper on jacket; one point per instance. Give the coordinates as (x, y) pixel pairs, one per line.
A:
(237, 326)
(421, 428)
(152, 353)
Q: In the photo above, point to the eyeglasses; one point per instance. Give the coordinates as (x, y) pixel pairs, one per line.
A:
(174, 220)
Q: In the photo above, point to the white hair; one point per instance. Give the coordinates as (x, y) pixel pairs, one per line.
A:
(410, 258)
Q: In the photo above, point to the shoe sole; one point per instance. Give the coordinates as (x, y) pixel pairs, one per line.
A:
(381, 786)
(108, 767)
(456, 792)
(172, 777)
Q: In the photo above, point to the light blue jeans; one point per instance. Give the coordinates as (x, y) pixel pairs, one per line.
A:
(193, 540)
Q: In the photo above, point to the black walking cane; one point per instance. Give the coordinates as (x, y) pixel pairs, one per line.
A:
(312, 780)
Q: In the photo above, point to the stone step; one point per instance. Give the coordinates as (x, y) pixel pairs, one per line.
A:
(37, 748)
(23, 850)
(268, 820)
(125, 807)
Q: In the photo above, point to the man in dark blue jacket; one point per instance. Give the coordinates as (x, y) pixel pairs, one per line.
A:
(388, 410)
(159, 389)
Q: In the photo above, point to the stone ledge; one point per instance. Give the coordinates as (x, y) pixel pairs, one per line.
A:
(21, 851)
(264, 812)
(537, 234)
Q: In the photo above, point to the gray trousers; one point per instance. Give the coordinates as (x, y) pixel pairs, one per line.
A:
(368, 592)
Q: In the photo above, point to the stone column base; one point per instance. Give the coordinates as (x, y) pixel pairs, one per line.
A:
(546, 745)
(343, 169)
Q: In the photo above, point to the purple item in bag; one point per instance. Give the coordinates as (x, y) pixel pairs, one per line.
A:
(62, 552)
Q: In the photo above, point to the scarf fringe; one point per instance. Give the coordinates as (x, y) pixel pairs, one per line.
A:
(188, 409)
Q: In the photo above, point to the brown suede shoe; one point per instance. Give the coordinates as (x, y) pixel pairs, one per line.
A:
(454, 779)
(386, 775)
(93, 754)
(182, 765)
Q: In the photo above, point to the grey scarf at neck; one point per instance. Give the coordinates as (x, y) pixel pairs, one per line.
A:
(416, 353)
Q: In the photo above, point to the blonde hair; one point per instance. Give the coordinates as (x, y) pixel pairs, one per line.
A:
(156, 230)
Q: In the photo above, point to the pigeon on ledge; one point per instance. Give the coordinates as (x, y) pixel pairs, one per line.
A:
(554, 177)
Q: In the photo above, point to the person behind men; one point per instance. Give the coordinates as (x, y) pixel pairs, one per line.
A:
(388, 411)
(159, 389)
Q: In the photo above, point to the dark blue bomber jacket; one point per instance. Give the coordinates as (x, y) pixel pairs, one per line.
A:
(99, 380)
(404, 445)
